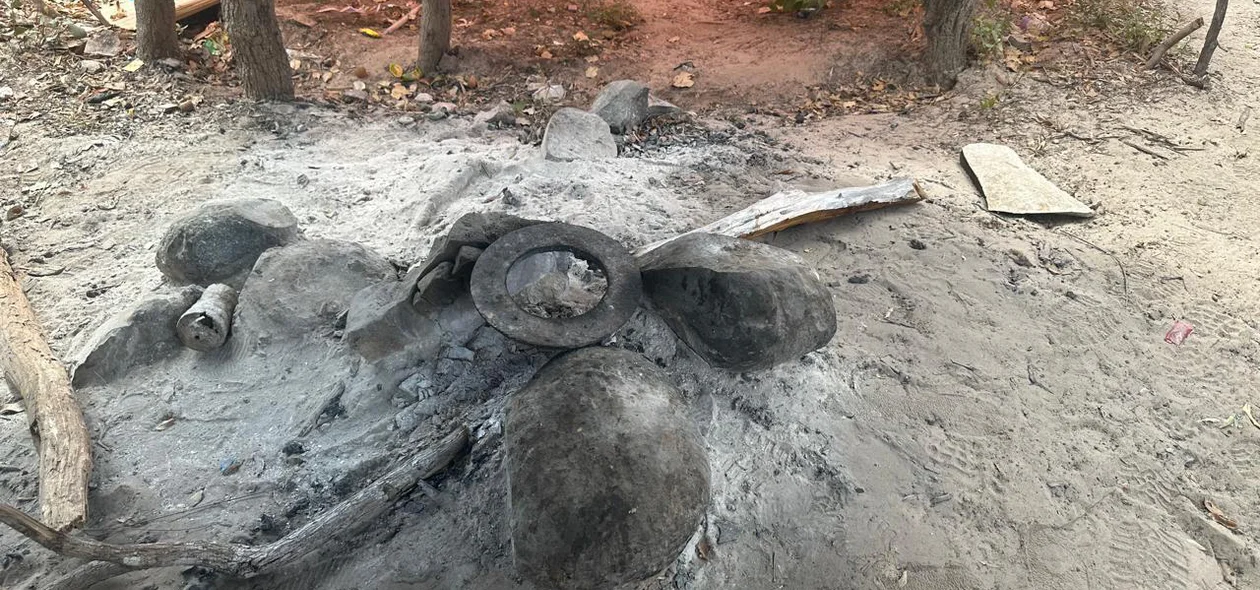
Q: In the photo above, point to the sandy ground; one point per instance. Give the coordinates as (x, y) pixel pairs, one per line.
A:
(998, 410)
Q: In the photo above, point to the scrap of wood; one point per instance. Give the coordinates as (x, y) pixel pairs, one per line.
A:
(791, 208)
(125, 17)
(410, 16)
(56, 421)
(1143, 149)
(96, 12)
(349, 517)
(1173, 39)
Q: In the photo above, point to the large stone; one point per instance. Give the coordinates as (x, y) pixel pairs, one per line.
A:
(302, 289)
(741, 305)
(577, 135)
(139, 336)
(622, 104)
(220, 241)
(608, 479)
(382, 321)
(469, 234)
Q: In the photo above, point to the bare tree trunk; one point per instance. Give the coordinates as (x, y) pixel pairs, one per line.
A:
(435, 33)
(258, 49)
(155, 30)
(947, 24)
(1209, 44)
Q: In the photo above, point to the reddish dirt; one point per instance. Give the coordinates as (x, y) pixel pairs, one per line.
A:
(737, 54)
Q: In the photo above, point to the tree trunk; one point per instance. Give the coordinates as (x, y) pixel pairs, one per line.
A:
(435, 33)
(1209, 44)
(947, 24)
(258, 49)
(155, 30)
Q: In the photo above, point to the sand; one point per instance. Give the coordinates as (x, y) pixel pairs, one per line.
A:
(998, 409)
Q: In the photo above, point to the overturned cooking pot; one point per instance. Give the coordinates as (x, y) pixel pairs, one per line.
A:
(556, 285)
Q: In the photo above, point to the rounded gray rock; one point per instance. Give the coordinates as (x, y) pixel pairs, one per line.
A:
(622, 104)
(607, 477)
(573, 134)
(302, 289)
(740, 305)
(219, 241)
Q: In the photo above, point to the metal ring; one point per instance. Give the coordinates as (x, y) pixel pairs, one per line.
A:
(490, 289)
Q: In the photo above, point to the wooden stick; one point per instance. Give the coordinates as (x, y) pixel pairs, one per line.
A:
(1209, 43)
(1145, 150)
(243, 561)
(96, 12)
(787, 209)
(1172, 40)
(56, 422)
(206, 324)
(400, 22)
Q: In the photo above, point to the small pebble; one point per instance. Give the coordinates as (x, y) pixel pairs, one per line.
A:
(918, 244)
(859, 279)
(229, 465)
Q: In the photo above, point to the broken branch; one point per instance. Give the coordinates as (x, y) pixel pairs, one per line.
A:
(96, 12)
(1172, 40)
(56, 421)
(243, 561)
(410, 16)
(206, 324)
(791, 208)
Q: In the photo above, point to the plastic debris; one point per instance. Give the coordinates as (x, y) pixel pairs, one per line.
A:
(1178, 332)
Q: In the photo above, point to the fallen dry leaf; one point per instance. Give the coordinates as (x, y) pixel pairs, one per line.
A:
(396, 70)
(764, 10)
(580, 36)
(592, 71)
(684, 80)
(489, 34)
(399, 92)
(133, 65)
(370, 33)
(592, 59)
(674, 39)
(545, 54)
(1219, 516)
(13, 408)
(508, 30)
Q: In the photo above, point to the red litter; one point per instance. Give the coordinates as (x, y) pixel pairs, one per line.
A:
(1178, 332)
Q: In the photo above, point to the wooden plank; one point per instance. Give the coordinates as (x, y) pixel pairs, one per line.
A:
(791, 208)
(122, 13)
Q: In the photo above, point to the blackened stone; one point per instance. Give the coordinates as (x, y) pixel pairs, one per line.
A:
(741, 305)
(622, 104)
(608, 479)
